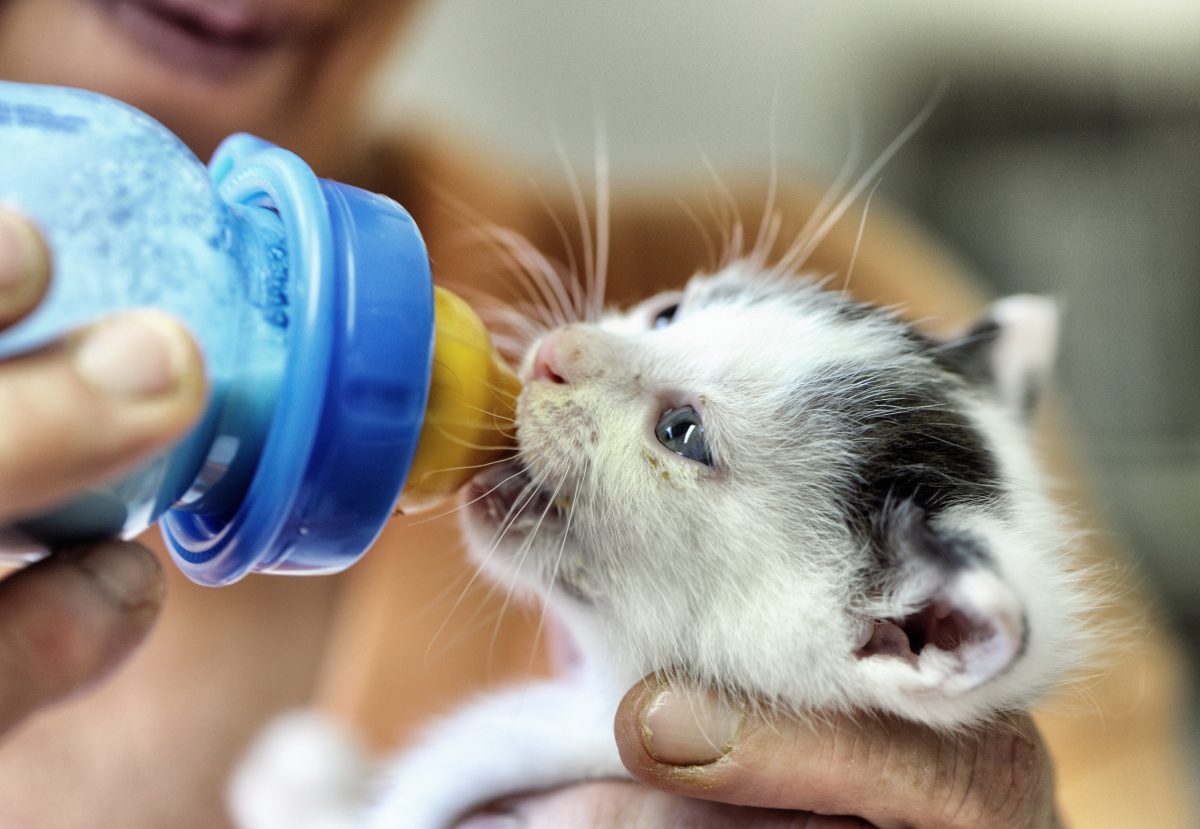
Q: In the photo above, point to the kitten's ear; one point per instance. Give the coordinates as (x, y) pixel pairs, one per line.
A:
(948, 622)
(1011, 348)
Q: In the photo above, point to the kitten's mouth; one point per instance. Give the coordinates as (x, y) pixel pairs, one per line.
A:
(508, 499)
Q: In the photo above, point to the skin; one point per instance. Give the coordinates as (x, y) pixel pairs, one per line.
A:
(69, 620)
(884, 772)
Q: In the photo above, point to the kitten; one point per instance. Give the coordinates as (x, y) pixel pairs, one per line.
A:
(795, 499)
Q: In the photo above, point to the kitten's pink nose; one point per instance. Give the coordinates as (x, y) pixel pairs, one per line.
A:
(548, 362)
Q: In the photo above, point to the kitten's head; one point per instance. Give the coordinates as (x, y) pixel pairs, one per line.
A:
(778, 491)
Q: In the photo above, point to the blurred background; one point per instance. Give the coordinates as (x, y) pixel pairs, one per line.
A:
(1063, 159)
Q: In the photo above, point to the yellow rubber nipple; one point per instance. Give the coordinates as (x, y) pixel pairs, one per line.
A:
(470, 418)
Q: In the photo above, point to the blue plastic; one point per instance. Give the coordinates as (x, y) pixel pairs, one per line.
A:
(311, 300)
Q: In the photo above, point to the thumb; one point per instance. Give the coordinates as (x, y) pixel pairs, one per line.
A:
(68, 620)
(887, 771)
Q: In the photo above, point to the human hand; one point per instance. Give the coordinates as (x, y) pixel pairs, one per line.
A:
(883, 771)
(711, 767)
(74, 412)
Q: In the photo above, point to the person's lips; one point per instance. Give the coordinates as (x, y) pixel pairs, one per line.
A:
(213, 39)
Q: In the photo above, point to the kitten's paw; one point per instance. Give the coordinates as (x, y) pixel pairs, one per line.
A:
(302, 772)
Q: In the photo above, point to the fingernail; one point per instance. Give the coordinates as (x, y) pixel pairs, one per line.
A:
(685, 726)
(22, 260)
(137, 355)
(129, 574)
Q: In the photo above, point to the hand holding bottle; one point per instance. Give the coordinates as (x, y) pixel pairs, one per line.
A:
(72, 412)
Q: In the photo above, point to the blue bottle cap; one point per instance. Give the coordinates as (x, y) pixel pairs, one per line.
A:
(351, 403)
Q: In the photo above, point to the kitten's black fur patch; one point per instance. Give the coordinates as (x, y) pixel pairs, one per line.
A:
(912, 446)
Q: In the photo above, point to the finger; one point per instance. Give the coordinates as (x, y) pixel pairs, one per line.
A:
(68, 620)
(24, 268)
(93, 405)
(889, 772)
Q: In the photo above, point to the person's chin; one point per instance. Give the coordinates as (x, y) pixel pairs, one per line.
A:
(193, 41)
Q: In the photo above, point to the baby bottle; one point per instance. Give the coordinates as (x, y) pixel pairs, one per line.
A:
(341, 381)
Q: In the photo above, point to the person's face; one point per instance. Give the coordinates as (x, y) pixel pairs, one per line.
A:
(287, 70)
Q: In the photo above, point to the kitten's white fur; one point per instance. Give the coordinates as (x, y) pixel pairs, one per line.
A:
(744, 575)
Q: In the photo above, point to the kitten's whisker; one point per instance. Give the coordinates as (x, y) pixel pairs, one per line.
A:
(730, 217)
(489, 414)
(538, 310)
(462, 595)
(531, 262)
(482, 301)
(484, 465)
(862, 226)
(711, 259)
(507, 313)
(509, 346)
(840, 181)
(526, 546)
(799, 254)
(562, 547)
(509, 329)
(572, 265)
(581, 216)
(765, 239)
(759, 257)
(474, 424)
(723, 223)
(514, 511)
(826, 280)
(518, 256)
(445, 469)
(602, 220)
(472, 218)
(533, 307)
(465, 504)
(527, 494)
(501, 392)
(435, 473)
(479, 227)
(467, 444)
(489, 305)
(523, 262)
(437, 638)
(523, 499)
(521, 332)
(503, 241)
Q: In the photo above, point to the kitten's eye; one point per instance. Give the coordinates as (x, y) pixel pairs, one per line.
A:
(681, 431)
(664, 317)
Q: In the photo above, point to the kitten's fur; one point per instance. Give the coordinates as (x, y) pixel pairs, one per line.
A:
(872, 533)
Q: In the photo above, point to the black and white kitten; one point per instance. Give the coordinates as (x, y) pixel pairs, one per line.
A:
(759, 485)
